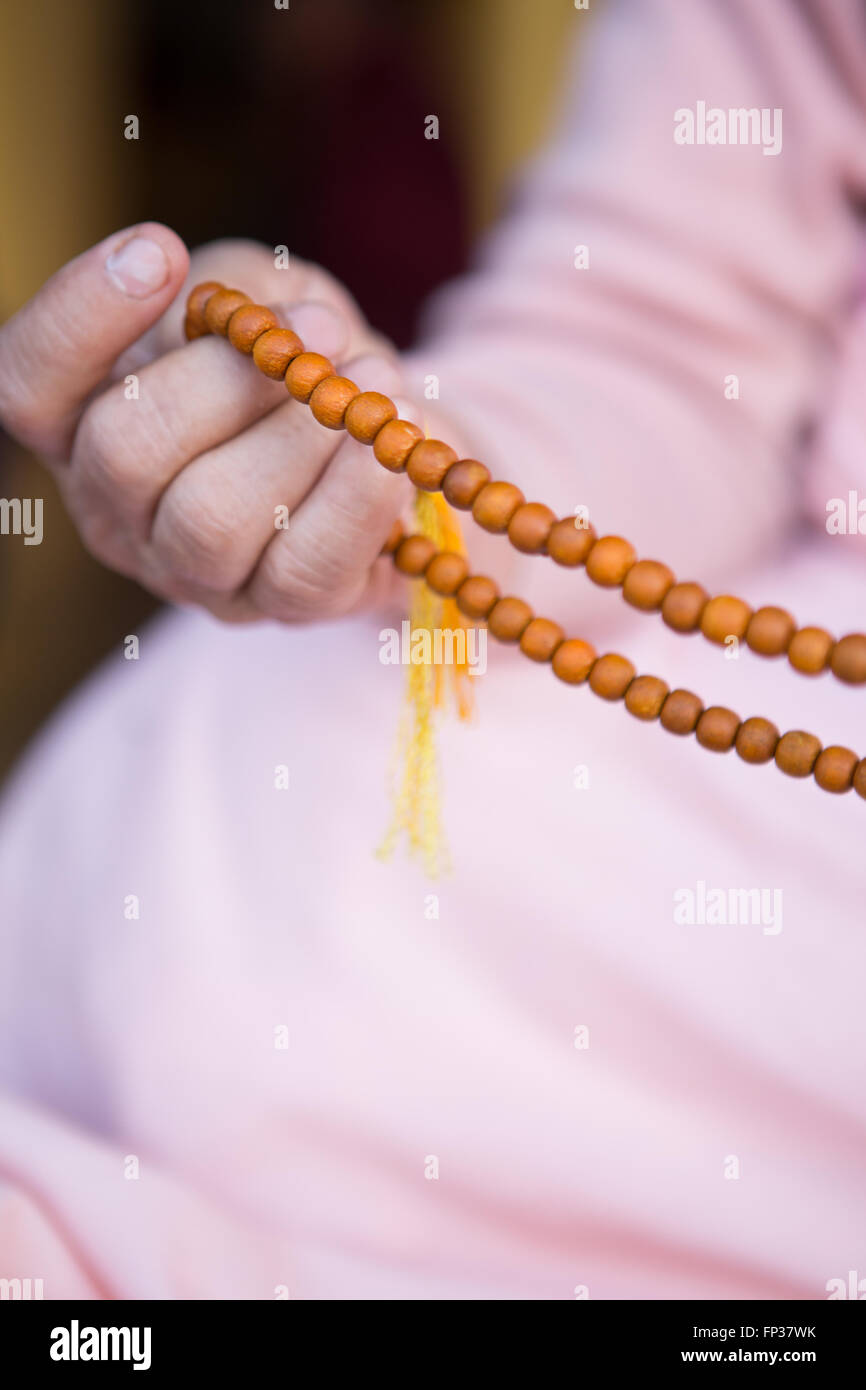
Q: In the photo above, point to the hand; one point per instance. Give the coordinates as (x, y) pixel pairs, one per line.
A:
(180, 487)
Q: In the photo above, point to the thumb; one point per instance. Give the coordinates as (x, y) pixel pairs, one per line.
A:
(61, 344)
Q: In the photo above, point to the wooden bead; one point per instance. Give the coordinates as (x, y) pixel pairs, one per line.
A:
(609, 561)
(860, 778)
(645, 697)
(848, 659)
(413, 555)
(717, 729)
(191, 330)
(395, 442)
(476, 596)
(446, 572)
(394, 537)
(196, 304)
(247, 324)
(797, 752)
(463, 482)
(756, 740)
(495, 505)
(683, 605)
(611, 676)
(540, 639)
(681, 712)
(573, 660)
(834, 769)
(569, 544)
(530, 526)
(507, 619)
(809, 650)
(219, 308)
(723, 617)
(646, 584)
(770, 631)
(330, 399)
(367, 413)
(305, 372)
(274, 350)
(428, 463)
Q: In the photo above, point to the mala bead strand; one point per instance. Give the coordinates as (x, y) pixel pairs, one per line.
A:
(501, 508)
(612, 677)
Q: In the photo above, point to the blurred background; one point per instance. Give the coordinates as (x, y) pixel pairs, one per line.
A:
(301, 127)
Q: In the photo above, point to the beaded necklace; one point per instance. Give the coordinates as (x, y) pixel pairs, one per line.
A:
(532, 528)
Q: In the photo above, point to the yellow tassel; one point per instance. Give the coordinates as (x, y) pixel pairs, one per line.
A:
(417, 810)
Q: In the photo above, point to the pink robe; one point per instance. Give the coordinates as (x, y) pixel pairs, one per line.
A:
(297, 1072)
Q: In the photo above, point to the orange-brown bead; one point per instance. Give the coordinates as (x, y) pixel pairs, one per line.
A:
(446, 572)
(610, 560)
(366, 415)
(569, 544)
(860, 778)
(530, 526)
(573, 660)
(413, 555)
(540, 639)
(507, 619)
(247, 324)
(809, 650)
(219, 308)
(393, 539)
(191, 330)
(797, 753)
(848, 659)
(495, 505)
(305, 372)
(681, 712)
(428, 463)
(463, 482)
(646, 584)
(611, 676)
(274, 350)
(645, 697)
(683, 605)
(756, 740)
(330, 399)
(770, 631)
(717, 729)
(395, 442)
(477, 595)
(196, 304)
(834, 768)
(723, 617)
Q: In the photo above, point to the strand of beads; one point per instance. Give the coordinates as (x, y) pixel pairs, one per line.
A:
(613, 677)
(500, 507)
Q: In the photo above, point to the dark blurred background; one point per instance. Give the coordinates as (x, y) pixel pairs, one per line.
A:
(302, 127)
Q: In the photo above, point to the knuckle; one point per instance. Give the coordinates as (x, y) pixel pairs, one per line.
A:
(290, 588)
(101, 453)
(195, 541)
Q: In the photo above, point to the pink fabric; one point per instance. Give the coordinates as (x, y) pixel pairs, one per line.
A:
(411, 1037)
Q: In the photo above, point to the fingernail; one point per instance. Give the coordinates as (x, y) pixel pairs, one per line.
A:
(139, 267)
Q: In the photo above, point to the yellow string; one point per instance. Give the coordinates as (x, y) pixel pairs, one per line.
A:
(417, 808)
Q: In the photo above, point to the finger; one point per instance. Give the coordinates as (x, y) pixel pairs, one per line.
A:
(62, 343)
(246, 266)
(127, 451)
(216, 518)
(320, 566)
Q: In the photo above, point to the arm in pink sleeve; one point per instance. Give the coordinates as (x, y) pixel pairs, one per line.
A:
(611, 386)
